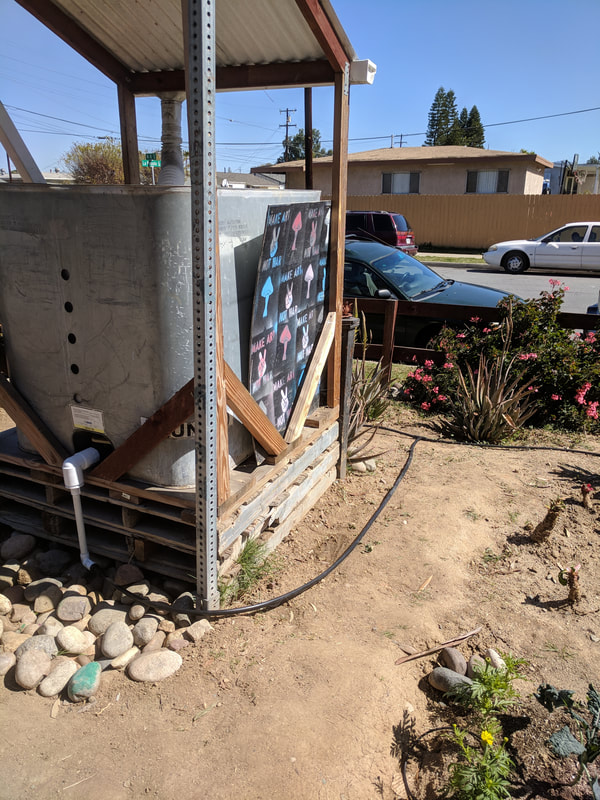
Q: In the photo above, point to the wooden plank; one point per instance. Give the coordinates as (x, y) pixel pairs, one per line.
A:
(339, 186)
(223, 486)
(276, 484)
(129, 138)
(312, 376)
(17, 150)
(154, 430)
(28, 422)
(245, 407)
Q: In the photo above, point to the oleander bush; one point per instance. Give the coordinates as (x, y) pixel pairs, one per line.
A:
(558, 367)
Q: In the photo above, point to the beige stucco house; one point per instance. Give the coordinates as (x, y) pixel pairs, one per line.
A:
(426, 171)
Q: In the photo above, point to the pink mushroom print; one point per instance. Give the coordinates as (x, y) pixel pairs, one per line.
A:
(284, 339)
(296, 227)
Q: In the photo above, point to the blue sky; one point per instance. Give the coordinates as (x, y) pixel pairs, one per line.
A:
(513, 60)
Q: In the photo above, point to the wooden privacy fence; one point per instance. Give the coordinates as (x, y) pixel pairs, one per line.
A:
(475, 221)
(390, 353)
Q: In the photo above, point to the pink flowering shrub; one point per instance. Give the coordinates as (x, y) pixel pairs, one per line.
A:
(561, 367)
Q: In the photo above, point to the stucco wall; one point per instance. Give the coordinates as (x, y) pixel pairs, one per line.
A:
(436, 179)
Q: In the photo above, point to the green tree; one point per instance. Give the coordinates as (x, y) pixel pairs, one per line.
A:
(295, 147)
(474, 134)
(99, 163)
(437, 121)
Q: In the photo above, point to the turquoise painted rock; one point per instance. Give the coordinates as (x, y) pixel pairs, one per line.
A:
(84, 683)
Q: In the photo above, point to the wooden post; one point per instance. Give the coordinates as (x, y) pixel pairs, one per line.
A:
(349, 326)
(337, 230)
(308, 139)
(129, 144)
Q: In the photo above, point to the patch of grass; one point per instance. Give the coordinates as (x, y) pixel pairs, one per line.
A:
(472, 514)
(560, 652)
(253, 564)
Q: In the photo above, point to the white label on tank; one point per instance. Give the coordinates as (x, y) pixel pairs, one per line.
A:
(87, 419)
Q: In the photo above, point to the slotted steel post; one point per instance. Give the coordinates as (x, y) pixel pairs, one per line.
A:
(201, 69)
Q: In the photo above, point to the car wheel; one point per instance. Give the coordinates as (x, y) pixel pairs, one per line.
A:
(515, 262)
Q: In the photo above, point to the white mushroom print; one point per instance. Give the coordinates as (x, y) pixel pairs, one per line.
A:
(308, 276)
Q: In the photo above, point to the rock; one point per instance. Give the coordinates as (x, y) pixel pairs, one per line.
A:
(160, 599)
(5, 605)
(178, 644)
(82, 660)
(31, 629)
(11, 640)
(82, 623)
(359, 466)
(156, 642)
(154, 666)
(51, 627)
(16, 594)
(73, 607)
(141, 589)
(180, 618)
(101, 619)
(175, 635)
(75, 588)
(8, 574)
(72, 640)
(1, 628)
(36, 588)
(125, 658)
(445, 679)
(28, 573)
(453, 659)
(45, 643)
(370, 464)
(53, 562)
(475, 660)
(117, 639)
(85, 682)
(47, 600)
(166, 625)
(144, 630)
(32, 667)
(495, 660)
(7, 660)
(19, 612)
(136, 612)
(57, 678)
(197, 630)
(127, 574)
(17, 546)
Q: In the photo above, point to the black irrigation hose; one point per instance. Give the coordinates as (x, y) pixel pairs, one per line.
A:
(484, 446)
(277, 601)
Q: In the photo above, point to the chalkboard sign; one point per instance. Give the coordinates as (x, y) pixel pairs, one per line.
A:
(289, 304)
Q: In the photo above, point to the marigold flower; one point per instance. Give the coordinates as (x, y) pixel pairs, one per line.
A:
(487, 737)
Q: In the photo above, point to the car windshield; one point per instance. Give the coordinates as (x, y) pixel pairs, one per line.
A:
(410, 276)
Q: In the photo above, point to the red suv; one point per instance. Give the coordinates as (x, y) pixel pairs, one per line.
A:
(382, 226)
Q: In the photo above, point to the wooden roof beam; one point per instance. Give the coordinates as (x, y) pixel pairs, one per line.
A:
(324, 33)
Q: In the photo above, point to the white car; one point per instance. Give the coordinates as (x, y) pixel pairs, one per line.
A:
(574, 246)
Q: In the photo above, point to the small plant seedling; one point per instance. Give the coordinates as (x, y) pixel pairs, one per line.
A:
(543, 529)
(570, 577)
(586, 490)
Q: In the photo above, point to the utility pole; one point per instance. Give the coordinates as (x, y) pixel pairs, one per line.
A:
(287, 125)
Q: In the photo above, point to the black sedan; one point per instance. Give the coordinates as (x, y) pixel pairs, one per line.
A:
(374, 270)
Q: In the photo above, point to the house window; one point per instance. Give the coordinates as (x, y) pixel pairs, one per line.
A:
(487, 181)
(400, 183)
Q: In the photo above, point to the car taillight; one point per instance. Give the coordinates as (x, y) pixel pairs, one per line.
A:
(403, 238)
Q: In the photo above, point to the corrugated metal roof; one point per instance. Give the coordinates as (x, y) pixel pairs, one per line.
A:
(147, 35)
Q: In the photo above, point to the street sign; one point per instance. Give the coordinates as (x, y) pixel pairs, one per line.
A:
(152, 163)
(151, 156)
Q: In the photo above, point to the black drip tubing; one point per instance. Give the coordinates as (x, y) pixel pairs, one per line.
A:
(283, 598)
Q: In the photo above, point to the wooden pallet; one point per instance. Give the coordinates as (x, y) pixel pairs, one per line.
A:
(155, 526)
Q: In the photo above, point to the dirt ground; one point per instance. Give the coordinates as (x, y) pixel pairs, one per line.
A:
(306, 701)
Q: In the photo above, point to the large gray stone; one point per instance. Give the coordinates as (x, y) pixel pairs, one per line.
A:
(154, 666)
(7, 660)
(144, 630)
(117, 639)
(453, 659)
(198, 629)
(50, 627)
(57, 678)
(31, 668)
(47, 644)
(41, 586)
(17, 546)
(71, 640)
(445, 679)
(73, 607)
(5, 605)
(101, 619)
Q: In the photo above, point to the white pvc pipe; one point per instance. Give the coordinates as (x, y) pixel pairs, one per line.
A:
(73, 477)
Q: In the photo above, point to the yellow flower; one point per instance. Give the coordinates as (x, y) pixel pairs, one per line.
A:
(487, 738)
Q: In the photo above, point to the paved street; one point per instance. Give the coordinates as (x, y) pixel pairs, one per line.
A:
(583, 288)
